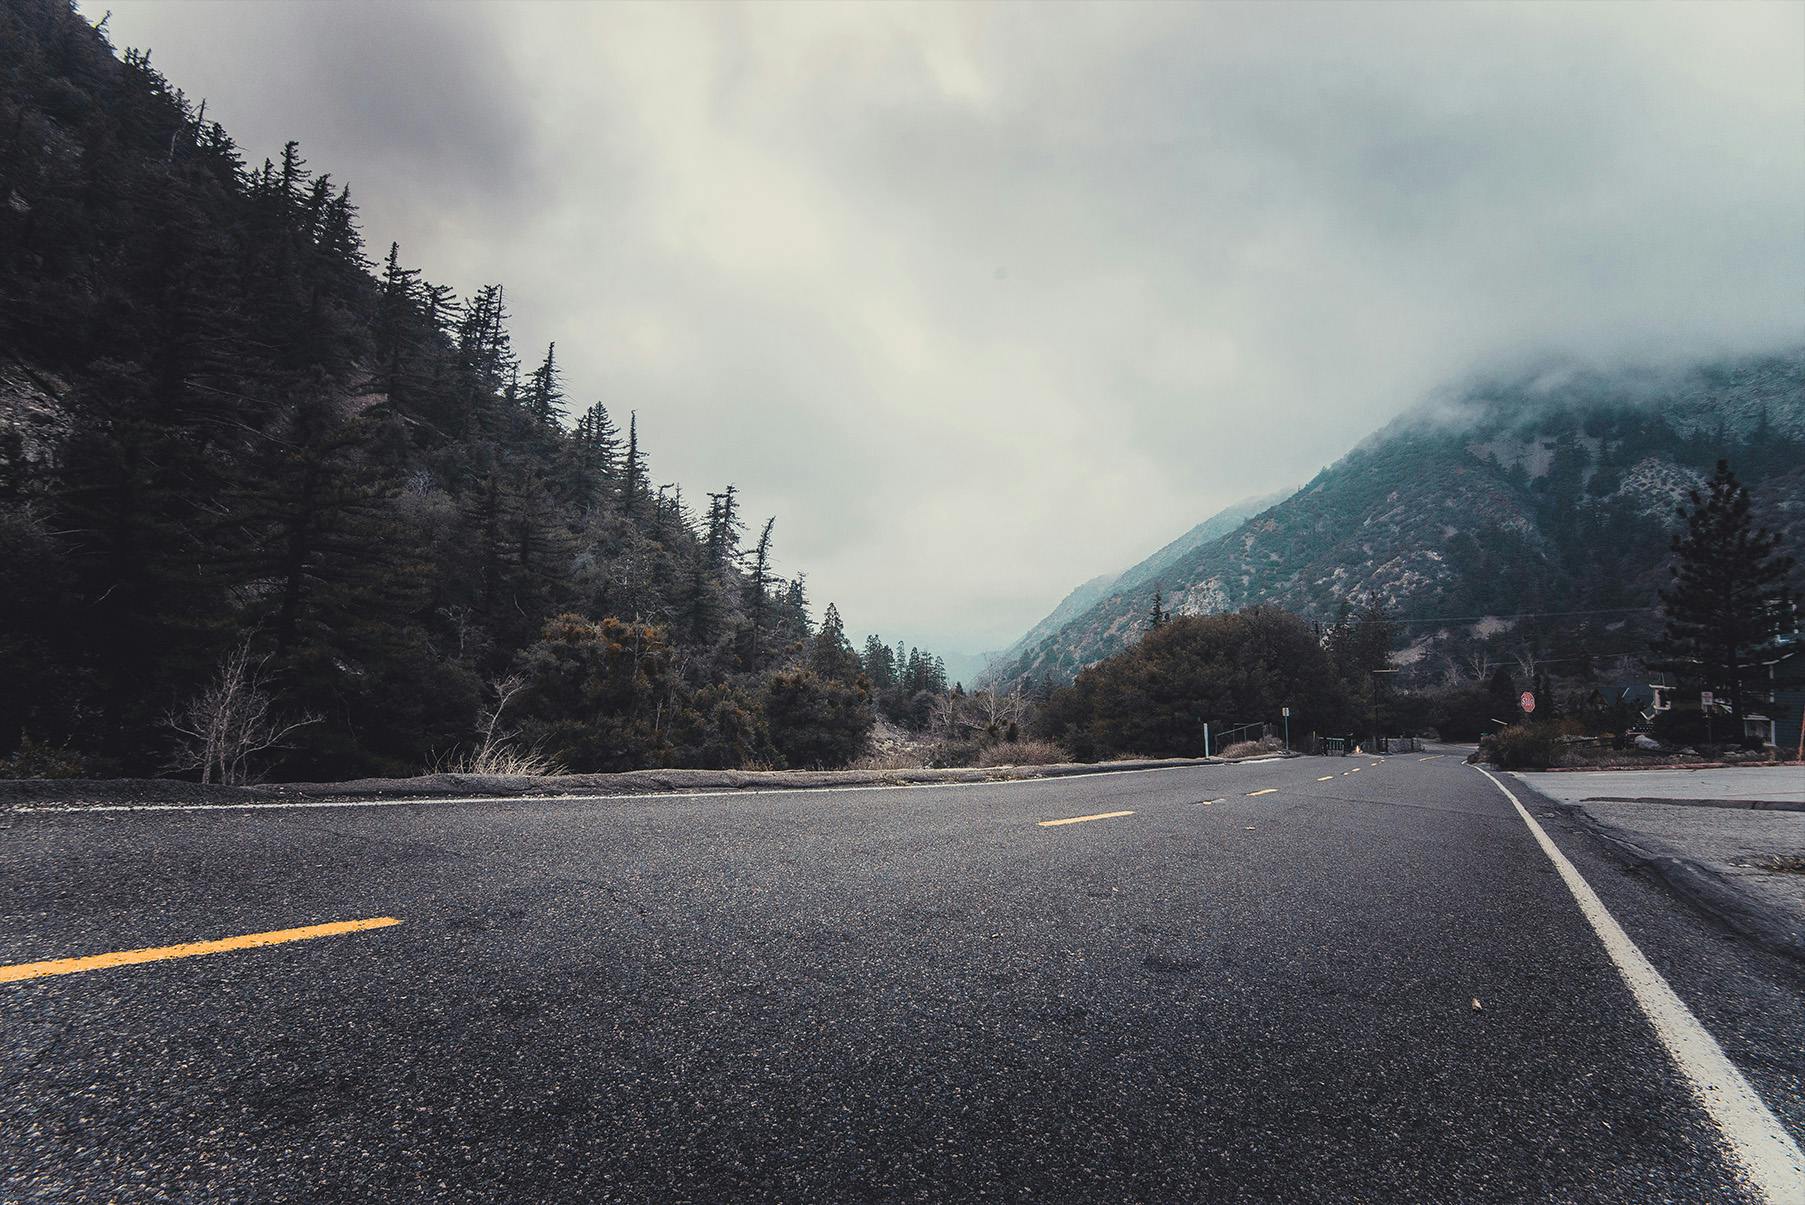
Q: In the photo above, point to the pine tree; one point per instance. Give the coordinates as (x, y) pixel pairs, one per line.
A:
(588, 458)
(545, 392)
(1729, 601)
(879, 663)
(1157, 615)
(397, 326)
(633, 473)
(829, 653)
(724, 526)
(757, 596)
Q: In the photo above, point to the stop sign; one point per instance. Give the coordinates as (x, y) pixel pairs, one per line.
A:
(1527, 702)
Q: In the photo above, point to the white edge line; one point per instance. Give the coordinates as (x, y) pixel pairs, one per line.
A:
(284, 805)
(1752, 1135)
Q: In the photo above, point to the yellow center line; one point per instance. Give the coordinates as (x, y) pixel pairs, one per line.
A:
(120, 958)
(1325, 778)
(1262, 791)
(1082, 819)
(1355, 770)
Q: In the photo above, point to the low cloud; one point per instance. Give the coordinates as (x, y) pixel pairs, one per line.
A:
(983, 300)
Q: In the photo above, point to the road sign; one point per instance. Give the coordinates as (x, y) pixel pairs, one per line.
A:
(1285, 711)
(1705, 698)
(1527, 702)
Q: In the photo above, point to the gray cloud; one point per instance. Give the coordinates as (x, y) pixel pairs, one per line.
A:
(984, 300)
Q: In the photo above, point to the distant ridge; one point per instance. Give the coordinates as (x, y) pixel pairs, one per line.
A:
(1098, 588)
(1547, 491)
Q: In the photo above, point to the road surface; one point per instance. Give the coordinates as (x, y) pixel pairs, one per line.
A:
(1252, 982)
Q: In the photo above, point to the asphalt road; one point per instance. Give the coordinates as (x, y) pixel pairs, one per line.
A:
(913, 994)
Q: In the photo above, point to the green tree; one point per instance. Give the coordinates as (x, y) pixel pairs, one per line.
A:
(1224, 670)
(1729, 600)
(829, 653)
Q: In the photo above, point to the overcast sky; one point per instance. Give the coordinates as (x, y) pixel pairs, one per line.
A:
(981, 301)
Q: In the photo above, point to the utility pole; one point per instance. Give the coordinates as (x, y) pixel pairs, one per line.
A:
(1376, 680)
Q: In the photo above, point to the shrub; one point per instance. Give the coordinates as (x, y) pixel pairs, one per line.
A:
(1520, 747)
(723, 727)
(595, 694)
(1023, 753)
(41, 761)
(953, 754)
(1265, 745)
(1688, 727)
(893, 759)
(817, 723)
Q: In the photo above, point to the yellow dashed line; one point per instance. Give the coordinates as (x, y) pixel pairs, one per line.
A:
(1082, 819)
(1263, 791)
(1325, 778)
(1355, 770)
(250, 941)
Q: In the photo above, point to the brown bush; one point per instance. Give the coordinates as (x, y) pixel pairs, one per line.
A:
(1023, 753)
(1520, 747)
(890, 759)
(953, 754)
(1262, 747)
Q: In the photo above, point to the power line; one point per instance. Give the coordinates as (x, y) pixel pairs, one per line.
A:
(1526, 615)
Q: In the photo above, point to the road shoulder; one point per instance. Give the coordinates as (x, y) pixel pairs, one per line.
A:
(39, 794)
(1721, 861)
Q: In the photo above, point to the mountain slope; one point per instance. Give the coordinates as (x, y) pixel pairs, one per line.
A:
(1549, 492)
(1213, 528)
(1084, 597)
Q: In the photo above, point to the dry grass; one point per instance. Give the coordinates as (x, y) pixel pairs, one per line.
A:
(1023, 753)
(1783, 864)
(890, 759)
(1259, 748)
(502, 760)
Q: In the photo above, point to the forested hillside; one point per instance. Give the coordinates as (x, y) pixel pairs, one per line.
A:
(1545, 501)
(239, 452)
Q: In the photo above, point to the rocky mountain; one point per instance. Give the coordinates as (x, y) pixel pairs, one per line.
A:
(1524, 516)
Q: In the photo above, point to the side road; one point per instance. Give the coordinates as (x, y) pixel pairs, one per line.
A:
(1706, 835)
(42, 793)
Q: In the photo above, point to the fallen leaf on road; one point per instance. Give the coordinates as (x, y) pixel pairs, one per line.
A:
(1477, 1007)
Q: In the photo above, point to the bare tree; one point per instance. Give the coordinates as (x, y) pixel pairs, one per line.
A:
(993, 711)
(230, 722)
(500, 753)
(1470, 665)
